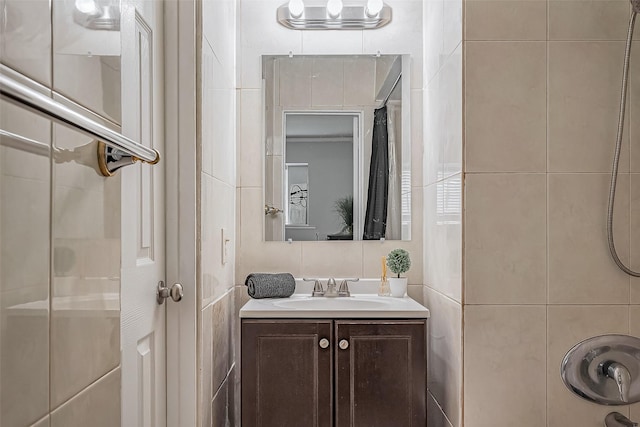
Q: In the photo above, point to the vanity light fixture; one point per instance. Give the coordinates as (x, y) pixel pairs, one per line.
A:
(334, 8)
(334, 15)
(296, 8)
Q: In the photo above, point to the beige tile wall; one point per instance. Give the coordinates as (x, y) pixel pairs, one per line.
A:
(501, 212)
(635, 236)
(217, 318)
(634, 109)
(504, 366)
(505, 129)
(542, 81)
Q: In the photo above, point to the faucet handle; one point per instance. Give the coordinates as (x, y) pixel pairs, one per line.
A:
(318, 291)
(620, 374)
(344, 287)
(343, 291)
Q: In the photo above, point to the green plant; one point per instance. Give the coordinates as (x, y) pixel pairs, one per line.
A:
(398, 261)
(344, 207)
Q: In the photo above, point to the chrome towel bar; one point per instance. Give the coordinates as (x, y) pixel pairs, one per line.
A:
(118, 146)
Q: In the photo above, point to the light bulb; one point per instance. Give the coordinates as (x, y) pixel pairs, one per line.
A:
(374, 7)
(334, 8)
(88, 7)
(296, 8)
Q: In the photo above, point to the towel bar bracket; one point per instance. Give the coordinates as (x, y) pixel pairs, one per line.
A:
(110, 159)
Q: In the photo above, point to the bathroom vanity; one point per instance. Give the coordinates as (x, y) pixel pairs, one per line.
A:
(358, 361)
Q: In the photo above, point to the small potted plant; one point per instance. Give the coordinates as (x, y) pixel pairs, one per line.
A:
(344, 208)
(398, 262)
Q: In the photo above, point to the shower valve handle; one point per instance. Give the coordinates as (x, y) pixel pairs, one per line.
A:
(620, 374)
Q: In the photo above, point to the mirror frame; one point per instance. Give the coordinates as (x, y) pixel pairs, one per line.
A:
(358, 160)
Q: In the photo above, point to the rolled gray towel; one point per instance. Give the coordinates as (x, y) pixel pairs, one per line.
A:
(266, 285)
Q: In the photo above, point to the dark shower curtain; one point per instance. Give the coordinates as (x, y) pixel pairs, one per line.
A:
(376, 216)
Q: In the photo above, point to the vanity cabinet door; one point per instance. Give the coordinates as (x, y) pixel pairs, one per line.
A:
(380, 373)
(286, 373)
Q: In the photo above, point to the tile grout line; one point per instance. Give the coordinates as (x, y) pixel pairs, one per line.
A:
(547, 201)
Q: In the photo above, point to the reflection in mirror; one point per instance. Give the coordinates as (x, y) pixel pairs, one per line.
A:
(337, 151)
(325, 146)
(86, 60)
(297, 185)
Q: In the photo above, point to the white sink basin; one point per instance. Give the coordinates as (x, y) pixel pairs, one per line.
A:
(358, 306)
(338, 303)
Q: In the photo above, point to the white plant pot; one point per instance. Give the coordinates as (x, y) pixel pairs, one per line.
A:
(398, 286)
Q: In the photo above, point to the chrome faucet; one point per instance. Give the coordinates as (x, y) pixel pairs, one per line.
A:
(343, 291)
(616, 419)
(331, 288)
(331, 292)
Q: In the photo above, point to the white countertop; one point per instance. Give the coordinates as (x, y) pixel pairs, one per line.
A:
(362, 304)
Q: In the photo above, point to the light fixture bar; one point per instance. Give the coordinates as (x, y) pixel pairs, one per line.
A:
(316, 17)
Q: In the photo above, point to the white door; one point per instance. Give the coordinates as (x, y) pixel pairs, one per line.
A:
(143, 327)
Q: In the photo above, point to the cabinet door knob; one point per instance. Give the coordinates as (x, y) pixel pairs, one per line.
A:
(324, 343)
(344, 344)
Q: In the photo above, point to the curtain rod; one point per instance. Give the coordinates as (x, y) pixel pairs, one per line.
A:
(391, 90)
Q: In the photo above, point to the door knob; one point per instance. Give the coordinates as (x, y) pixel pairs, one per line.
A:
(324, 343)
(271, 210)
(176, 292)
(344, 344)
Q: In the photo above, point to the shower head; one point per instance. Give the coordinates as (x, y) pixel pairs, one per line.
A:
(636, 5)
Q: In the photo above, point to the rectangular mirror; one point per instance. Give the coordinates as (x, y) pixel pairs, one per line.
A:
(337, 148)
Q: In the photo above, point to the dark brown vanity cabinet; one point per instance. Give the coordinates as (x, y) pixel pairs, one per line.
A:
(361, 373)
(286, 374)
(380, 377)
